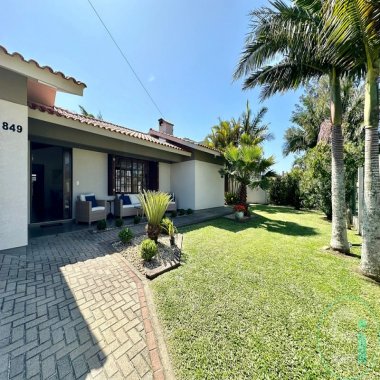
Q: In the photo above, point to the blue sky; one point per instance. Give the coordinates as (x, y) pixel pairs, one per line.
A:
(184, 52)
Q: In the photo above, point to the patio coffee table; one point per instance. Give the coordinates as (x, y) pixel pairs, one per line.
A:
(140, 211)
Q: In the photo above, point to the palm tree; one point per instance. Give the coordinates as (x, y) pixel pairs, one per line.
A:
(246, 165)
(252, 126)
(84, 112)
(224, 134)
(295, 32)
(353, 26)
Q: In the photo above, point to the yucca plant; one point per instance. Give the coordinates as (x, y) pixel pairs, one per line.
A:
(154, 204)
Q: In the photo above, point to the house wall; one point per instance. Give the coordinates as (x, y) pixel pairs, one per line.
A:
(90, 174)
(209, 185)
(257, 195)
(14, 172)
(182, 183)
(164, 175)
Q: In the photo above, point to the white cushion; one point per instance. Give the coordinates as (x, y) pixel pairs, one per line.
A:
(134, 199)
(99, 208)
(128, 206)
(82, 197)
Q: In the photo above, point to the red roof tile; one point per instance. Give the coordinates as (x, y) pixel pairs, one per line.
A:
(19, 56)
(57, 111)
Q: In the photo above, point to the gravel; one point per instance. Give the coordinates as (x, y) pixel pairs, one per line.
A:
(165, 256)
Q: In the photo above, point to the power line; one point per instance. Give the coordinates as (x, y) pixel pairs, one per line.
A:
(125, 58)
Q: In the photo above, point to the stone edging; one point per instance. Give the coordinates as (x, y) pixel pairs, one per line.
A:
(154, 339)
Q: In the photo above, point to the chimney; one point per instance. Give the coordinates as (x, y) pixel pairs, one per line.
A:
(165, 127)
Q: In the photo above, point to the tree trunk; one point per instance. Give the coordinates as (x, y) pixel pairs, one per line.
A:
(339, 241)
(370, 259)
(243, 193)
(153, 231)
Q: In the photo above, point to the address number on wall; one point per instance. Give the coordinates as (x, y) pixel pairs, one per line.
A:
(11, 127)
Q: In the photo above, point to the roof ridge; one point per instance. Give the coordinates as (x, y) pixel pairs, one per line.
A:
(55, 72)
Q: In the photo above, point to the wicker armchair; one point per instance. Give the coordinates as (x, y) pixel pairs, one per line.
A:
(85, 213)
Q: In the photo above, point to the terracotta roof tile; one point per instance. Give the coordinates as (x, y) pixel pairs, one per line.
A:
(99, 124)
(19, 56)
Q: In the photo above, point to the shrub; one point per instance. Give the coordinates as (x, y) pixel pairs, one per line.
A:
(148, 249)
(125, 235)
(181, 211)
(231, 198)
(101, 225)
(189, 211)
(154, 204)
(168, 227)
(119, 222)
(173, 214)
(136, 219)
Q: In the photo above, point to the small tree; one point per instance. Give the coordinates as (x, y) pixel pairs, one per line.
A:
(247, 165)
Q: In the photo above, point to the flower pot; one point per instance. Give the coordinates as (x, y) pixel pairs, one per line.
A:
(239, 215)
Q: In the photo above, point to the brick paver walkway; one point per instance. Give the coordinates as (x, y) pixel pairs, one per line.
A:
(72, 309)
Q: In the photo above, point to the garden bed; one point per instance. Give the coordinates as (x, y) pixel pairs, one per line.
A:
(166, 259)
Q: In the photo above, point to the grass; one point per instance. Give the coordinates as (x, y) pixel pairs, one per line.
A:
(251, 302)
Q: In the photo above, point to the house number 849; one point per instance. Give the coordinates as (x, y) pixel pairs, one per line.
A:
(12, 127)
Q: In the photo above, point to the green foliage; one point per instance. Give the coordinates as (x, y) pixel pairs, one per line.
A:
(125, 235)
(246, 165)
(173, 213)
(148, 249)
(101, 225)
(285, 190)
(154, 204)
(168, 227)
(247, 129)
(231, 198)
(316, 180)
(136, 219)
(189, 211)
(314, 108)
(119, 222)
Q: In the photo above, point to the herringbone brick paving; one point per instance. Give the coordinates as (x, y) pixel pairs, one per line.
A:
(72, 309)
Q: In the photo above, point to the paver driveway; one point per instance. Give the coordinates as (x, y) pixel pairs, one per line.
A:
(72, 310)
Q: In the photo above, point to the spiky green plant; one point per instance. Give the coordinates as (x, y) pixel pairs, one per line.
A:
(154, 204)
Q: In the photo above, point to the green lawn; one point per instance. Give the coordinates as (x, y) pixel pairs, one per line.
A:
(251, 302)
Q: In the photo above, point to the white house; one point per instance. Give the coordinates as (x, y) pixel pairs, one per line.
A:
(48, 155)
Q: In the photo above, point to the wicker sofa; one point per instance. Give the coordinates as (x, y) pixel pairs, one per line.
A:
(122, 210)
(85, 213)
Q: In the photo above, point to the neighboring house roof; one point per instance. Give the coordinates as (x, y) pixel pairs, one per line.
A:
(186, 142)
(60, 112)
(43, 68)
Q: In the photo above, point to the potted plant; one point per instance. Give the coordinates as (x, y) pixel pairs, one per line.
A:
(239, 211)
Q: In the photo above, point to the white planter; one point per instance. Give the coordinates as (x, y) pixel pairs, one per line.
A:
(239, 215)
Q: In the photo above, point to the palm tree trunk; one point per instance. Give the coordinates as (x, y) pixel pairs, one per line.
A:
(370, 259)
(339, 241)
(243, 193)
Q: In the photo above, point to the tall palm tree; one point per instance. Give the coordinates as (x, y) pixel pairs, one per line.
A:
(294, 32)
(354, 26)
(246, 165)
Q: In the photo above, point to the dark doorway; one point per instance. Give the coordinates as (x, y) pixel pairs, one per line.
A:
(51, 183)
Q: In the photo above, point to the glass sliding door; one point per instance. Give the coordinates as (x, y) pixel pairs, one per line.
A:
(51, 183)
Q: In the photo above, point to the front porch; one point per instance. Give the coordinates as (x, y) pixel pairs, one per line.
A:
(59, 228)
